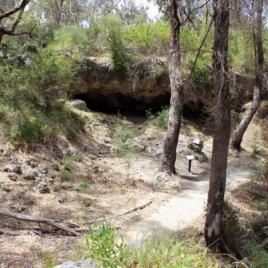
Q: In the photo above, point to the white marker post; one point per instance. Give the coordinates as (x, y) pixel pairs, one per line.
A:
(190, 158)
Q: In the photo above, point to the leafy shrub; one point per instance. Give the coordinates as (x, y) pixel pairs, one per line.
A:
(160, 119)
(119, 56)
(28, 131)
(102, 246)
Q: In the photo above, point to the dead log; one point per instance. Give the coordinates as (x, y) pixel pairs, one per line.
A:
(37, 219)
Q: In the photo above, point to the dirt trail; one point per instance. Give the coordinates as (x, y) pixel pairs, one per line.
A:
(184, 209)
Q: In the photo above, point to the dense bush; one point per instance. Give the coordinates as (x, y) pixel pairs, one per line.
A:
(30, 93)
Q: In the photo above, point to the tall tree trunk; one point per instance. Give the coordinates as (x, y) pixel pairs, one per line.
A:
(213, 225)
(174, 123)
(259, 62)
(58, 12)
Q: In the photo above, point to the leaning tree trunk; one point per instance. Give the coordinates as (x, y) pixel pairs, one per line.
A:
(259, 62)
(174, 123)
(213, 225)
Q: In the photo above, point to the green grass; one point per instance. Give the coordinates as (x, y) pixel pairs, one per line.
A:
(48, 260)
(160, 119)
(105, 246)
(84, 185)
(66, 175)
(258, 257)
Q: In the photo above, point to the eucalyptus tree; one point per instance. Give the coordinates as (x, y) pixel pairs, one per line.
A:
(11, 16)
(257, 11)
(180, 13)
(222, 119)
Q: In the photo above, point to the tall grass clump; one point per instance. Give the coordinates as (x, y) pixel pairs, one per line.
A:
(160, 119)
(105, 246)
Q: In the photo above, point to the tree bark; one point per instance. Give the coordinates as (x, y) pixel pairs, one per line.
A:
(213, 226)
(259, 62)
(174, 123)
(58, 12)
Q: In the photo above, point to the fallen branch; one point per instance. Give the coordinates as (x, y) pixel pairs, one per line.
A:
(38, 219)
(122, 214)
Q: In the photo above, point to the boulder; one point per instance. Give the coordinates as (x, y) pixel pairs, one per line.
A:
(80, 264)
(196, 145)
(79, 104)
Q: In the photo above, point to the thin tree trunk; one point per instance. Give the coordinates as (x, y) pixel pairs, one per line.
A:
(174, 123)
(213, 225)
(58, 13)
(259, 62)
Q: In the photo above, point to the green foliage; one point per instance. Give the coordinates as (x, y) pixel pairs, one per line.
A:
(49, 260)
(28, 131)
(241, 52)
(120, 58)
(147, 38)
(78, 157)
(66, 175)
(160, 119)
(202, 78)
(231, 221)
(258, 257)
(84, 185)
(33, 87)
(104, 246)
(71, 38)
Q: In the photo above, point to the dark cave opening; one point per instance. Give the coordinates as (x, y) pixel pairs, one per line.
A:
(128, 107)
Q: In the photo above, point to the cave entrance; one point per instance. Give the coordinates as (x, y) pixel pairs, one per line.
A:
(125, 106)
(137, 110)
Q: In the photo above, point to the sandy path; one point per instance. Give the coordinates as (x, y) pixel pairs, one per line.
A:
(182, 210)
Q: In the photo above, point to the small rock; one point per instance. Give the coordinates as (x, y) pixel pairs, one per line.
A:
(17, 170)
(95, 169)
(56, 167)
(79, 104)
(43, 188)
(31, 175)
(13, 177)
(66, 185)
(265, 244)
(6, 189)
(162, 177)
(44, 170)
(201, 157)
(57, 188)
(13, 168)
(60, 199)
(32, 163)
(265, 230)
(80, 264)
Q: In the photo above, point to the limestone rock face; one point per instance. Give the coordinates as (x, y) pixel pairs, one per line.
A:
(146, 86)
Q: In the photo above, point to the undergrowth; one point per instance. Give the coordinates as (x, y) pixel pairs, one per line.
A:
(160, 119)
(104, 246)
